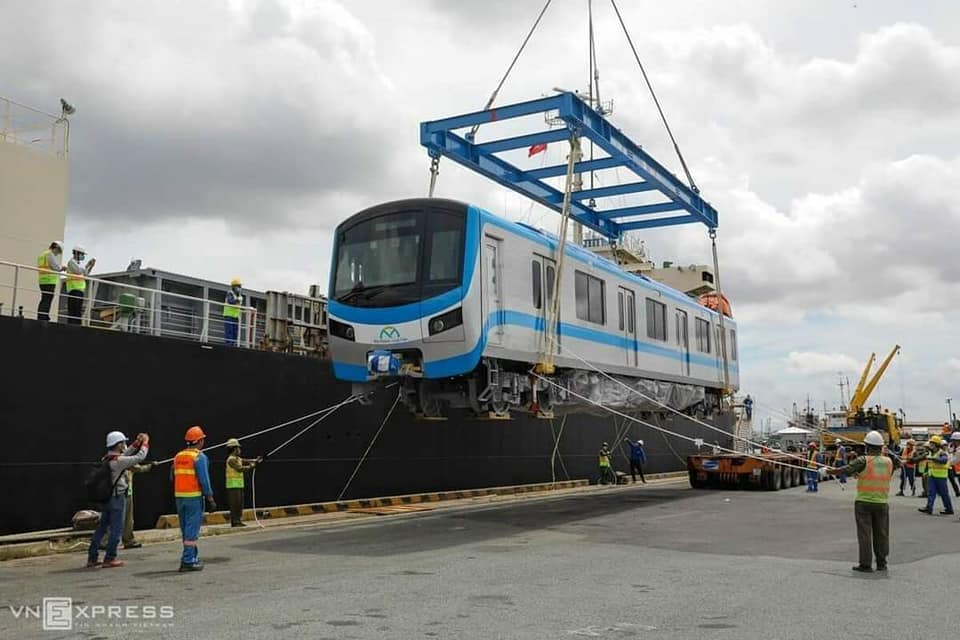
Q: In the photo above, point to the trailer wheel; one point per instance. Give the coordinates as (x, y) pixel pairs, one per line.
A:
(786, 477)
(797, 478)
(772, 479)
(695, 482)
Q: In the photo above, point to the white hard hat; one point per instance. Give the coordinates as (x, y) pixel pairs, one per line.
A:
(78, 248)
(114, 438)
(57, 243)
(955, 435)
(640, 442)
(874, 439)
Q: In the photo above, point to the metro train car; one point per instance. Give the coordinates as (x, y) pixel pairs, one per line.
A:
(452, 301)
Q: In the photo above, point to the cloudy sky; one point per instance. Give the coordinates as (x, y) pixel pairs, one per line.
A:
(224, 138)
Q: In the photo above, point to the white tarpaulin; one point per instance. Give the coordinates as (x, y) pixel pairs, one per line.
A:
(631, 394)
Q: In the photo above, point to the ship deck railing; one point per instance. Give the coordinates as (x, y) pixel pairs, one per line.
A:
(152, 311)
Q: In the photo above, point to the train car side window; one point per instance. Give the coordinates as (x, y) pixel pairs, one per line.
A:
(733, 344)
(537, 285)
(589, 294)
(620, 307)
(656, 320)
(551, 276)
(702, 329)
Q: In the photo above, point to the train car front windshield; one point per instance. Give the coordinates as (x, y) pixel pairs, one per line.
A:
(399, 257)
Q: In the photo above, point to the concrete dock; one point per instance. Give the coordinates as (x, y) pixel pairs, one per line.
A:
(655, 561)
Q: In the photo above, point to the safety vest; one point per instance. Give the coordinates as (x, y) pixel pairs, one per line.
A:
(76, 282)
(873, 483)
(232, 310)
(907, 454)
(234, 477)
(186, 484)
(604, 460)
(45, 276)
(813, 460)
(936, 468)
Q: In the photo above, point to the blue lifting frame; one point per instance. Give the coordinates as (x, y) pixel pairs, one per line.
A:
(685, 203)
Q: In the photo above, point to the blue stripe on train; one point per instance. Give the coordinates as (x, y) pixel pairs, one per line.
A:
(466, 362)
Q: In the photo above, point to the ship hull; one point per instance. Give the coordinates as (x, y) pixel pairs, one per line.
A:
(65, 387)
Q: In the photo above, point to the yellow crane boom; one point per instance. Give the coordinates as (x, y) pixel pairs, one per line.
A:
(865, 388)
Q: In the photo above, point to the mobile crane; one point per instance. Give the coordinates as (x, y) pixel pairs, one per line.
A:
(860, 422)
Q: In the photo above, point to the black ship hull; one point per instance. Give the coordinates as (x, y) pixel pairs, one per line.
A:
(65, 387)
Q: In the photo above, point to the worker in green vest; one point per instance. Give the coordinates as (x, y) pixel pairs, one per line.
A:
(606, 471)
(76, 285)
(236, 466)
(232, 305)
(49, 267)
(874, 471)
(938, 469)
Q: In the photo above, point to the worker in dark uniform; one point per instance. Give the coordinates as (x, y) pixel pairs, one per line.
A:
(871, 510)
(638, 457)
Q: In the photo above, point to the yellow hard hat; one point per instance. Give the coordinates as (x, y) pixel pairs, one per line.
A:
(937, 440)
(235, 282)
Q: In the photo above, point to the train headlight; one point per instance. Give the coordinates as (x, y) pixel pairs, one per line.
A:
(341, 330)
(446, 321)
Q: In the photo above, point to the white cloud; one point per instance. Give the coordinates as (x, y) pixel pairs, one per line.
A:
(813, 363)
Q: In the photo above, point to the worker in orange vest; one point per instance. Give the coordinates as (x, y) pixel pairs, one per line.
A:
(814, 461)
(191, 487)
(909, 469)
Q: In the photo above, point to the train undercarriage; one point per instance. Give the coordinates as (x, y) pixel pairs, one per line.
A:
(497, 387)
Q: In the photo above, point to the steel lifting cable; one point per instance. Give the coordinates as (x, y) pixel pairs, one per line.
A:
(723, 331)
(696, 441)
(435, 160)
(556, 448)
(663, 116)
(820, 430)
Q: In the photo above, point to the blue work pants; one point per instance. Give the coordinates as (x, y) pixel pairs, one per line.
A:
(110, 518)
(908, 474)
(231, 327)
(190, 513)
(813, 478)
(935, 487)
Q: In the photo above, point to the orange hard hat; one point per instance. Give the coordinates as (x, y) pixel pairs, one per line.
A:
(194, 433)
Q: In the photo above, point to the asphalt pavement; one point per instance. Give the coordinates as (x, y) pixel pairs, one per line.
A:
(634, 562)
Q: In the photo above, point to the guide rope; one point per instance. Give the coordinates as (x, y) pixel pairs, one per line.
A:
(370, 446)
(696, 441)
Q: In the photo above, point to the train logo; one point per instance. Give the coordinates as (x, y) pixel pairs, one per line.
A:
(389, 334)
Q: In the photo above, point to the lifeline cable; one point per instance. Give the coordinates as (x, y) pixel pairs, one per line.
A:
(370, 446)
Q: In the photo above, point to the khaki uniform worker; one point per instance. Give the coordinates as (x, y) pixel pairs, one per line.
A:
(236, 466)
(871, 511)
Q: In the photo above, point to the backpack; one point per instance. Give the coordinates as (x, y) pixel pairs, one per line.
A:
(99, 485)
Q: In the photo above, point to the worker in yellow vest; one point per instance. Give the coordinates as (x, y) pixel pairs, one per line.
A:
(191, 487)
(234, 480)
(938, 468)
(874, 470)
(232, 306)
(48, 275)
(606, 471)
(76, 285)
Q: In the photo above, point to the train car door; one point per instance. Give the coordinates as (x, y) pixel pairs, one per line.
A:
(683, 342)
(627, 322)
(545, 272)
(492, 293)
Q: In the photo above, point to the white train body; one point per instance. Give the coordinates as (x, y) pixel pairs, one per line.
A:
(453, 299)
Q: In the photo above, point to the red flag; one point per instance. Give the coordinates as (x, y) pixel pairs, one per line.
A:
(537, 148)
